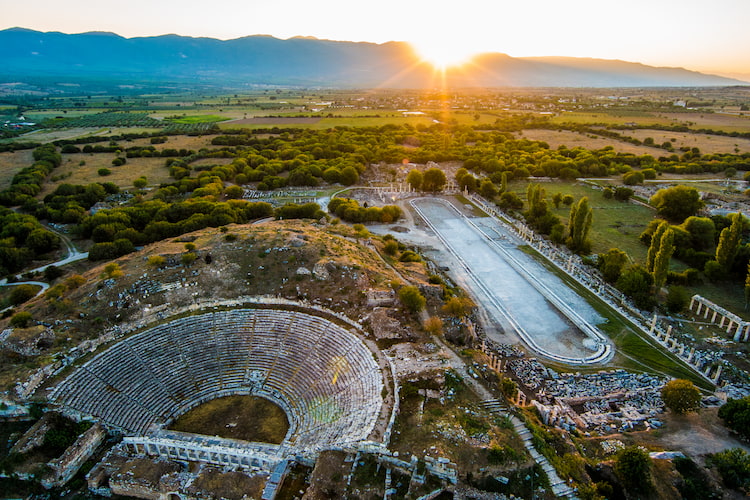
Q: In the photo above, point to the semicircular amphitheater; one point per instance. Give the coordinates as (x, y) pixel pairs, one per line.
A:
(326, 379)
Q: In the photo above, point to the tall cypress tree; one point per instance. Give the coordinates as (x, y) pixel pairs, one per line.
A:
(653, 248)
(729, 242)
(581, 218)
(661, 261)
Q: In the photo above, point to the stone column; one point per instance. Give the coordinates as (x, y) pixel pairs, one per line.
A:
(653, 325)
(731, 324)
(721, 323)
(737, 335)
(718, 374)
(698, 311)
(692, 302)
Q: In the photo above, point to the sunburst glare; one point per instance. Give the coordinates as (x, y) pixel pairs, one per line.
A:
(443, 53)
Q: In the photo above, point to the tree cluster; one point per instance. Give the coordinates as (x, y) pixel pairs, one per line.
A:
(22, 239)
(28, 182)
(350, 211)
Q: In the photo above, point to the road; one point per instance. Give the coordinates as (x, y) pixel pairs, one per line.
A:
(72, 255)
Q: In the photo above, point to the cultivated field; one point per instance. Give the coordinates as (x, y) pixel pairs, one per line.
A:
(708, 144)
(569, 139)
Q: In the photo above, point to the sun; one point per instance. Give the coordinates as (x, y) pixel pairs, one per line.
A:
(443, 53)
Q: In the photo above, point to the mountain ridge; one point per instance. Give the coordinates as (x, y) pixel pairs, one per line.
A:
(264, 59)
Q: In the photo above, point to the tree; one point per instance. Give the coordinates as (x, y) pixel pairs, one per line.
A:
(390, 247)
(412, 298)
(234, 192)
(433, 325)
(487, 189)
(733, 466)
(702, 232)
(677, 203)
(557, 199)
(349, 176)
(612, 263)
(729, 243)
(414, 179)
(653, 248)
(633, 178)
(622, 193)
(433, 180)
(41, 241)
(661, 262)
(458, 307)
(635, 282)
(51, 273)
(75, 281)
(579, 225)
(22, 293)
(677, 299)
(633, 466)
(112, 270)
(21, 319)
(156, 261)
(188, 258)
(511, 200)
(140, 183)
(681, 396)
(736, 416)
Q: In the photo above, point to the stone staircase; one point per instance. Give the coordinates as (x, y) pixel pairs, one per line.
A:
(559, 487)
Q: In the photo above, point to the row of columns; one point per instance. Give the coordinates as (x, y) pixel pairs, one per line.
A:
(679, 348)
(741, 328)
(499, 364)
(200, 455)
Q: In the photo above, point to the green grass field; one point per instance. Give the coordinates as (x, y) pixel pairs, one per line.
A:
(612, 118)
(615, 224)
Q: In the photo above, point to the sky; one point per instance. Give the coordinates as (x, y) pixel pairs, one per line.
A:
(708, 36)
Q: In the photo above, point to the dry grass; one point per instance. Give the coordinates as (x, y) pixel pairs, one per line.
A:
(233, 485)
(716, 121)
(572, 140)
(708, 144)
(72, 172)
(11, 163)
(248, 418)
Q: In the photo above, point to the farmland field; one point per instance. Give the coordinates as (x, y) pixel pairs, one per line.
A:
(708, 144)
(51, 135)
(557, 138)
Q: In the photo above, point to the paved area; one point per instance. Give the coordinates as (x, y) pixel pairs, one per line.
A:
(518, 296)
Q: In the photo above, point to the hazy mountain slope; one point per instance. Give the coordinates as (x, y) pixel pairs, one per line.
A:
(304, 61)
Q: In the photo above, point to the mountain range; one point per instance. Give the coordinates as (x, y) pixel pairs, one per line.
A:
(265, 60)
